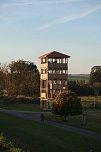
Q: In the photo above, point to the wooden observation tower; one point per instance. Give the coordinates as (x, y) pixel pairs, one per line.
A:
(53, 77)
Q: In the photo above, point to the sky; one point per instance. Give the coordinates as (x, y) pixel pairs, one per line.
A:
(31, 28)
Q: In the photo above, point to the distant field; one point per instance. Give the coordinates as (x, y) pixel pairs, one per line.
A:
(88, 100)
(78, 77)
(91, 98)
(36, 137)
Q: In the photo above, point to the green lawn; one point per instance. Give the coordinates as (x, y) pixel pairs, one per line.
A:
(91, 99)
(27, 107)
(36, 137)
(93, 121)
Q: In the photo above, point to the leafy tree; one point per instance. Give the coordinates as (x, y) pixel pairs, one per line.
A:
(95, 75)
(23, 78)
(83, 89)
(2, 82)
(74, 86)
(3, 78)
(67, 103)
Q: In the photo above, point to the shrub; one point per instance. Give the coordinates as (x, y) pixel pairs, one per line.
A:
(7, 146)
(67, 103)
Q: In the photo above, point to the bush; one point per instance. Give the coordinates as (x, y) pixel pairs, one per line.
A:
(7, 146)
(67, 103)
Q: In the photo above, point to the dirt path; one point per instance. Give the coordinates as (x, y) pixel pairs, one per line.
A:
(36, 117)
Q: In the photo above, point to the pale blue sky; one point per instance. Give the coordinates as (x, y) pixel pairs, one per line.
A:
(30, 28)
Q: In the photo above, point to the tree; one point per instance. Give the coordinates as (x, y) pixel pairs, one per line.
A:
(74, 86)
(67, 103)
(80, 88)
(23, 78)
(3, 78)
(95, 75)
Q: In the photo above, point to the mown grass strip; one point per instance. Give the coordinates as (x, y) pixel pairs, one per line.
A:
(27, 107)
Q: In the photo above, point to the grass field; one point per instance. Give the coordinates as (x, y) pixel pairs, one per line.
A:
(86, 100)
(93, 118)
(37, 137)
(93, 121)
(91, 98)
(27, 107)
(91, 101)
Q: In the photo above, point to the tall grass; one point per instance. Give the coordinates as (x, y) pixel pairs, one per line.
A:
(7, 146)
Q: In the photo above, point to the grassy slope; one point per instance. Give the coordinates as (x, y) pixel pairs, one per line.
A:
(78, 77)
(43, 138)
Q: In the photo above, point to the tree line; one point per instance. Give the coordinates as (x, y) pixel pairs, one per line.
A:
(92, 88)
(23, 78)
(85, 89)
(19, 78)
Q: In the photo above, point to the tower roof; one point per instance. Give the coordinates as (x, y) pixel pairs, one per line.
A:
(54, 54)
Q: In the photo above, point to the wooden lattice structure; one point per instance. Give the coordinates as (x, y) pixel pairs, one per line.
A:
(53, 77)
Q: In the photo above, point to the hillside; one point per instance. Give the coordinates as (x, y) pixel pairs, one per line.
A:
(78, 77)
